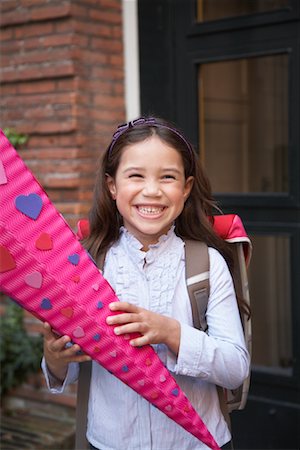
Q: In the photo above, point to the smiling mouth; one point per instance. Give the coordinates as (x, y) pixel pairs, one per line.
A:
(150, 210)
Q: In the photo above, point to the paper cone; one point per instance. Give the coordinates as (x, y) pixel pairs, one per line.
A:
(45, 269)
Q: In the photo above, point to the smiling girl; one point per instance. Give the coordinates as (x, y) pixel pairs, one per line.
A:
(150, 194)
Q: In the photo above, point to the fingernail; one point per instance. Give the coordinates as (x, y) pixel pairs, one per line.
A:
(108, 320)
(117, 330)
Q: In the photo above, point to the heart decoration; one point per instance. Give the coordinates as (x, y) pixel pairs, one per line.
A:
(46, 304)
(78, 332)
(67, 312)
(74, 259)
(7, 261)
(97, 337)
(76, 278)
(3, 178)
(34, 280)
(44, 242)
(30, 205)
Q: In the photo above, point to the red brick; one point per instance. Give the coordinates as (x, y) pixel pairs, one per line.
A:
(105, 16)
(116, 60)
(37, 87)
(38, 72)
(107, 45)
(105, 73)
(95, 29)
(6, 34)
(57, 40)
(16, 17)
(108, 101)
(110, 4)
(34, 29)
(51, 12)
(8, 5)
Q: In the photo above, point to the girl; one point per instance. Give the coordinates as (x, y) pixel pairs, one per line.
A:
(150, 194)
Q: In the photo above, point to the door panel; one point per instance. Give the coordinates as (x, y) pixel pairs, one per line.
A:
(231, 80)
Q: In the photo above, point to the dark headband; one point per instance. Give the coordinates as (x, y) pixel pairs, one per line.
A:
(151, 121)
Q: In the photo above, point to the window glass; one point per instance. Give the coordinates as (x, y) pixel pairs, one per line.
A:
(219, 9)
(243, 123)
(269, 281)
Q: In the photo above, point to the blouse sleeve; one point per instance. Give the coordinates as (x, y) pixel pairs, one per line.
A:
(218, 356)
(56, 386)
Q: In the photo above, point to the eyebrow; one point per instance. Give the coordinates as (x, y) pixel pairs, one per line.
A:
(167, 169)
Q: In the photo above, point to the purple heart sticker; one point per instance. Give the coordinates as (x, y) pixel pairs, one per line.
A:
(74, 259)
(175, 392)
(30, 205)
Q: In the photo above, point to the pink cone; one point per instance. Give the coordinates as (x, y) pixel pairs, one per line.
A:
(44, 268)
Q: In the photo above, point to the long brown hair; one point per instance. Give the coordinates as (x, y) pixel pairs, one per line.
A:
(196, 219)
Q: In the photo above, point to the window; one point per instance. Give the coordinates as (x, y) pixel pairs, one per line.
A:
(243, 114)
(208, 10)
(270, 293)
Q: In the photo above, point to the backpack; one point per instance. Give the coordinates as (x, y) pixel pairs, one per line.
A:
(230, 228)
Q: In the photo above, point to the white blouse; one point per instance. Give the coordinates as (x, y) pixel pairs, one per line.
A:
(119, 418)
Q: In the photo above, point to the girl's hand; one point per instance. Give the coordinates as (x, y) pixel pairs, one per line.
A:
(57, 355)
(153, 328)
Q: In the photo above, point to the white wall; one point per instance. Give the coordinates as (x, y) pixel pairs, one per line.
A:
(131, 57)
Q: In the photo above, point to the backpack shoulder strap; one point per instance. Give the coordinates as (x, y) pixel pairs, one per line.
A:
(83, 392)
(197, 280)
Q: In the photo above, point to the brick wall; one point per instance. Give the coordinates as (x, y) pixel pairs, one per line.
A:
(62, 84)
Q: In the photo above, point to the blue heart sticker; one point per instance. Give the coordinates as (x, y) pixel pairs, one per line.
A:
(125, 368)
(74, 259)
(30, 205)
(46, 304)
(99, 305)
(97, 337)
(175, 392)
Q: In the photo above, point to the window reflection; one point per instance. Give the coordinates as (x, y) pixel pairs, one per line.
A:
(269, 280)
(243, 113)
(219, 9)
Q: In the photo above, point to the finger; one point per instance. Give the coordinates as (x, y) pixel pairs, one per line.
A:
(46, 330)
(129, 328)
(59, 344)
(123, 318)
(123, 306)
(140, 341)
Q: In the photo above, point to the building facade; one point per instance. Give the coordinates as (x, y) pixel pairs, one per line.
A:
(228, 74)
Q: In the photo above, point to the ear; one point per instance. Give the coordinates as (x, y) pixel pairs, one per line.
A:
(188, 187)
(111, 186)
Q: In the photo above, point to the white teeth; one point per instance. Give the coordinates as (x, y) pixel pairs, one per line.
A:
(150, 210)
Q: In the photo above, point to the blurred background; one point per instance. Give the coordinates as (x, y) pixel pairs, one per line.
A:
(227, 72)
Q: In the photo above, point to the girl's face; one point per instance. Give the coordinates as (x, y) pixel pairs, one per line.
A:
(150, 188)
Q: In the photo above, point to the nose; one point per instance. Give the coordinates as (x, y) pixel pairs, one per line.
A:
(152, 188)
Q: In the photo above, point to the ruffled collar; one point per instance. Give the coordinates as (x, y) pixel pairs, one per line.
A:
(134, 246)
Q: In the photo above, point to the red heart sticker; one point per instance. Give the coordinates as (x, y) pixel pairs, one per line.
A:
(44, 242)
(67, 312)
(7, 261)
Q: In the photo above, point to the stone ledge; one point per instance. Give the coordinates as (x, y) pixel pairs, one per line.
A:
(36, 430)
